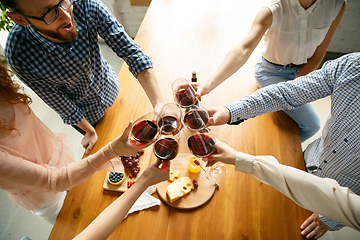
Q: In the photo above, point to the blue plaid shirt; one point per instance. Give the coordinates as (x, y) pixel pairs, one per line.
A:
(75, 80)
(337, 152)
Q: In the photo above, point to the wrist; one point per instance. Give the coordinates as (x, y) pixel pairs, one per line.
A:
(232, 159)
(211, 84)
(109, 151)
(143, 182)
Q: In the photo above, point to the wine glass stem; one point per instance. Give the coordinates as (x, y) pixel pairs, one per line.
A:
(216, 183)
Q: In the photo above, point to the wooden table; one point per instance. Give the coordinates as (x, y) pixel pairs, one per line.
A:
(182, 36)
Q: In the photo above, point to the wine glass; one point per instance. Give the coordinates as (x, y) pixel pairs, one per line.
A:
(217, 172)
(167, 146)
(202, 143)
(184, 93)
(144, 129)
(196, 117)
(169, 119)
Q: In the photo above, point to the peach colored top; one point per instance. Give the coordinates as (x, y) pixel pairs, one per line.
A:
(36, 164)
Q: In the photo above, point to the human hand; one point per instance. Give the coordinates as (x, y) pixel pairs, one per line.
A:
(313, 227)
(223, 153)
(201, 89)
(218, 116)
(153, 174)
(124, 146)
(89, 141)
(157, 109)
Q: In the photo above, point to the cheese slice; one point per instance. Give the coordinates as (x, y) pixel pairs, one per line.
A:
(173, 174)
(179, 188)
(176, 173)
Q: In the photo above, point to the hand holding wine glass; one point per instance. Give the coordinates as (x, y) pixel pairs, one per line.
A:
(144, 129)
(167, 146)
(224, 153)
(183, 93)
(202, 143)
(169, 119)
(218, 116)
(202, 89)
(196, 117)
(122, 144)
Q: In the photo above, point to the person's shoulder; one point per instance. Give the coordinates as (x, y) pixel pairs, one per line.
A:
(276, 6)
(17, 39)
(331, 5)
(353, 59)
(339, 2)
(346, 66)
(85, 9)
(350, 58)
(17, 34)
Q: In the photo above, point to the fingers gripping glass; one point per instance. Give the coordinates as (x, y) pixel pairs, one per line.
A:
(52, 14)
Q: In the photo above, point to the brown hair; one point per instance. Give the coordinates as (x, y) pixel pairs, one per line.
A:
(10, 90)
(10, 4)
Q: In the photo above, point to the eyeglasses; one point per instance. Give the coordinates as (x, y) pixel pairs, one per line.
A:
(52, 14)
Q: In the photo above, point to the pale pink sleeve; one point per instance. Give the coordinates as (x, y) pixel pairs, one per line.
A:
(16, 172)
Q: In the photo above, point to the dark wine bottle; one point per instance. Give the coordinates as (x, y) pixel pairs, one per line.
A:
(194, 80)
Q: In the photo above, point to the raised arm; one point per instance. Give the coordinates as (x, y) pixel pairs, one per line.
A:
(148, 81)
(44, 178)
(239, 54)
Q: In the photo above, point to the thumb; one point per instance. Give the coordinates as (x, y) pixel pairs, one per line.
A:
(165, 164)
(211, 121)
(157, 162)
(88, 148)
(126, 132)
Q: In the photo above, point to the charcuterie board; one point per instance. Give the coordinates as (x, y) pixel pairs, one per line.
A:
(197, 197)
(144, 161)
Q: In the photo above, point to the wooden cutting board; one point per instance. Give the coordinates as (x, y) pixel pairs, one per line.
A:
(144, 161)
(197, 197)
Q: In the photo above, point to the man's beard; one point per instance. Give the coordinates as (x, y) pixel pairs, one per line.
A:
(66, 38)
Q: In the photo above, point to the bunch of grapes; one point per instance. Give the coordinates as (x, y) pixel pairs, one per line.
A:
(196, 185)
(133, 164)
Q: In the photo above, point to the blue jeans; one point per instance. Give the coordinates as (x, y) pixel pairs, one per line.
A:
(306, 117)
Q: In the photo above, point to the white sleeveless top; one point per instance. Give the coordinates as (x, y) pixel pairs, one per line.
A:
(295, 33)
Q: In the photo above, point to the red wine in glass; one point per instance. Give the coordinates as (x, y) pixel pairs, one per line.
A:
(196, 119)
(169, 125)
(201, 145)
(166, 148)
(185, 96)
(144, 131)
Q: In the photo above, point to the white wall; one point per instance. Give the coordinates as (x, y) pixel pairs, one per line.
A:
(347, 35)
(129, 16)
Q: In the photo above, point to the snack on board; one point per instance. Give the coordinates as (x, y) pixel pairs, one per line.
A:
(173, 174)
(194, 164)
(132, 163)
(179, 188)
(116, 178)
